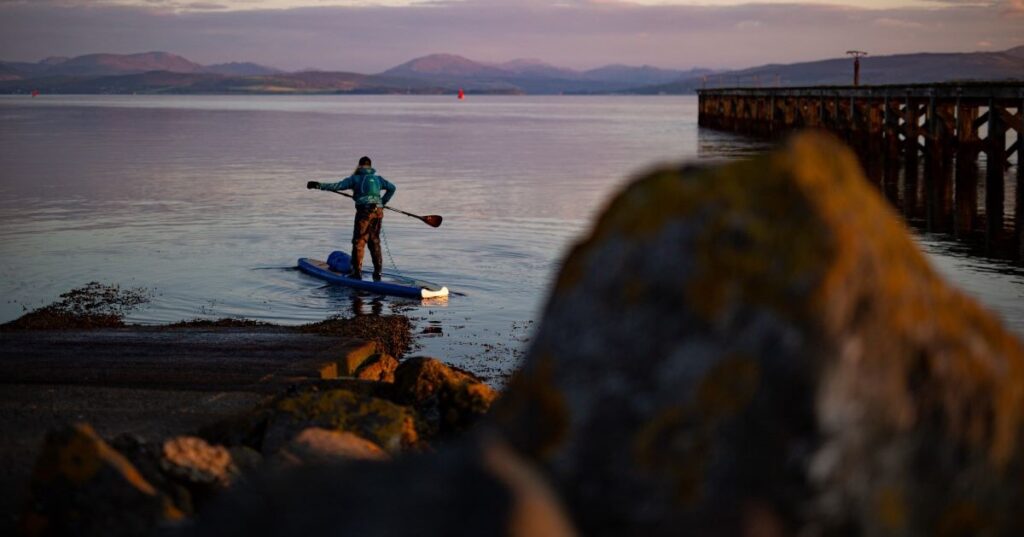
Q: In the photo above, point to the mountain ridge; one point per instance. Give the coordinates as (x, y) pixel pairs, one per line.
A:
(920, 67)
(109, 64)
(532, 75)
(443, 65)
(162, 72)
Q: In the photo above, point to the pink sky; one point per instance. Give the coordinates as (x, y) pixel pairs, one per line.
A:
(371, 36)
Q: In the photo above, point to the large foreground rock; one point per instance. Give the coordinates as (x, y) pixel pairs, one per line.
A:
(762, 347)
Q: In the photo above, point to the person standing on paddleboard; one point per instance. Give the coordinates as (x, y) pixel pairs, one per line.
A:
(366, 188)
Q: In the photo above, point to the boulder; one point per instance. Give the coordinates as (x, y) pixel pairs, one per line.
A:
(319, 446)
(390, 426)
(244, 429)
(146, 457)
(762, 345)
(379, 367)
(249, 428)
(192, 460)
(468, 489)
(82, 486)
(204, 470)
(245, 460)
(449, 399)
(354, 356)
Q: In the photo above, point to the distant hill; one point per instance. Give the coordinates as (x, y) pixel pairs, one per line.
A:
(53, 60)
(531, 75)
(8, 72)
(241, 68)
(636, 76)
(162, 72)
(167, 82)
(537, 68)
(151, 72)
(893, 69)
(444, 66)
(19, 70)
(450, 70)
(1017, 52)
(125, 64)
(119, 64)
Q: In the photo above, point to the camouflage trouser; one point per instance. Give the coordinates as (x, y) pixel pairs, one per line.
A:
(367, 230)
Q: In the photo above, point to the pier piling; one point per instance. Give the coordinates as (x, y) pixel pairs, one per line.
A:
(923, 145)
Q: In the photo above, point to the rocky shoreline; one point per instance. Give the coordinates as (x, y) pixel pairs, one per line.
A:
(270, 398)
(131, 486)
(754, 349)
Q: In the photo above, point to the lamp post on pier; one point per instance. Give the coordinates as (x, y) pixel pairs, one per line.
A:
(857, 55)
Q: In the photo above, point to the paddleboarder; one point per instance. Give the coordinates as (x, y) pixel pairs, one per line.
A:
(366, 187)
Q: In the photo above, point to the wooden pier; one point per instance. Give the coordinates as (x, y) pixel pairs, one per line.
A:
(923, 145)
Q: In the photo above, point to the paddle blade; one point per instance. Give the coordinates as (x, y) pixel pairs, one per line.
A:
(432, 220)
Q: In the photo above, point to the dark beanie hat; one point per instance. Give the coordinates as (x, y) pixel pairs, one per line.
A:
(365, 161)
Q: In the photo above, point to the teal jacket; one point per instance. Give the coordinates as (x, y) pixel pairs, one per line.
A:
(361, 185)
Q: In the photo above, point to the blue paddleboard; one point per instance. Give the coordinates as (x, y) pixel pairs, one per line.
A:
(391, 284)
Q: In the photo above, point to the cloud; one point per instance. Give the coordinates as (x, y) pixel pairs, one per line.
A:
(887, 22)
(574, 33)
(205, 6)
(184, 6)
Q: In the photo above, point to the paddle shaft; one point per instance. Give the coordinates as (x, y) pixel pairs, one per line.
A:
(432, 220)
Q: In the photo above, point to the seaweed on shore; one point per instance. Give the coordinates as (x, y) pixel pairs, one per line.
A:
(94, 305)
(393, 333)
(224, 322)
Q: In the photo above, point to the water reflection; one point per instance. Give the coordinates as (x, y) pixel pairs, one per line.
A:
(715, 146)
(361, 305)
(956, 198)
(998, 284)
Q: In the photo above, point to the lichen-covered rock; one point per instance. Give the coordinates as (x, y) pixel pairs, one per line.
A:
(249, 428)
(379, 367)
(449, 400)
(765, 345)
(390, 426)
(82, 486)
(469, 489)
(320, 446)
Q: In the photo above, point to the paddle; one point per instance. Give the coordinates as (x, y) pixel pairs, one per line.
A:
(432, 220)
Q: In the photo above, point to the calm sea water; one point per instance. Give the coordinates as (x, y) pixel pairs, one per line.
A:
(202, 201)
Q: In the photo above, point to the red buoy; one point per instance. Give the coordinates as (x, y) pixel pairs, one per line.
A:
(462, 94)
(35, 93)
